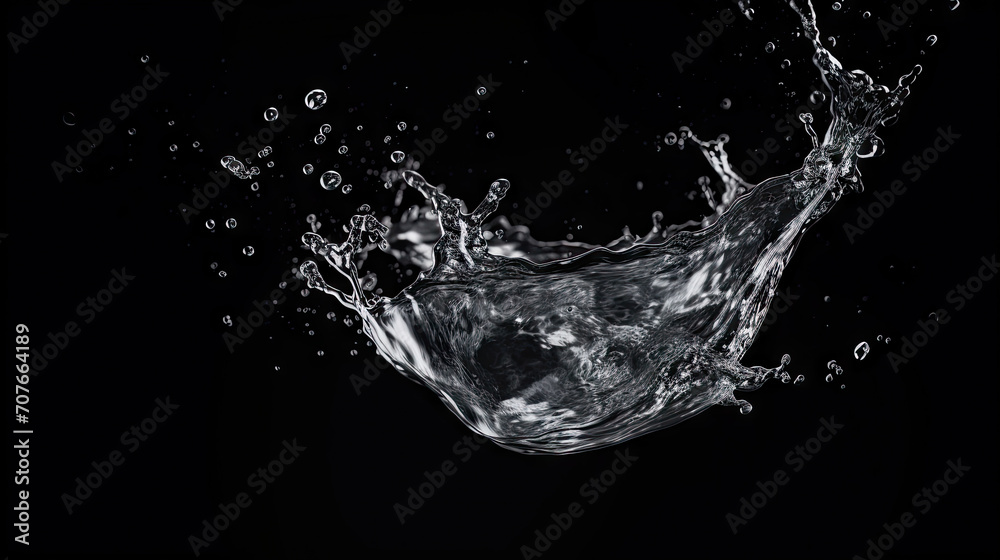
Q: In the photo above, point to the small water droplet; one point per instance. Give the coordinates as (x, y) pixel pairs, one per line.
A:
(342, 150)
(490, 135)
(387, 139)
(330, 180)
(227, 320)
(829, 377)
(817, 97)
(481, 90)
(832, 40)
(222, 274)
(861, 350)
(726, 103)
(746, 408)
(319, 139)
(195, 144)
(354, 352)
(670, 139)
(307, 169)
(836, 6)
(325, 128)
(360, 128)
(397, 156)
(799, 379)
(144, 58)
(954, 6)
(346, 188)
(173, 147)
(866, 15)
(769, 47)
(69, 119)
(888, 340)
(270, 114)
(931, 39)
(214, 266)
(210, 223)
(131, 132)
(319, 353)
(785, 64)
(401, 126)
(231, 223)
(315, 99)
(170, 123)
(254, 187)
(248, 251)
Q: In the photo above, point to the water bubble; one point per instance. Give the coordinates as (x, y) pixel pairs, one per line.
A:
(214, 266)
(490, 135)
(360, 128)
(401, 126)
(829, 377)
(131, 132)
(331, 316)
(319, 352)
(173, 147)
(307, 169)
(69, 119)
(499, 233)
(397, 156)
(481, 90)
(726, 103)
(670, 139)
(832, 365)
(304, 292)
(888, 340)
(310, 218)
(836, 6)
(195, 144)
(861, 350)
(832, 40)
(210, 223)
(704, 181)
(878, 338)
(817, 97)
(866, 15)
(270, 114)
(348, 322)
(315, 99)
(325, 129)
(319, 139)
(248, 251)
(387, 139)
(799, 379)
(170, 123)
(144, 58)
(785, 64)
(222, 274)
(231, 223)
(954, 6)
(269, 164)
(227, 320)
(931, 39)
(254, 187)
(342, 150)
(354, 352)
(807, 118)
(746, 408)
(346, 188)
(769, 47)
(364, 209)
(330, 180)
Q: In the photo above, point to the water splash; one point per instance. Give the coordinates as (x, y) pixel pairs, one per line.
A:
(563, 347)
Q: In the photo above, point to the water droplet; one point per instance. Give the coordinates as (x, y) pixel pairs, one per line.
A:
(931, 39)
(490, 135)
(173, 147)
(785, 64)
(866, 15)
(954, 6)
(861, 350)
(170, 123)
(346, 188)
(319, 352)
(817, 97)
(254, 187)
(348, 322)
(888, 340)
(826, 299)
(69, 119)
(481, 90)
(829, 377)
(319, 139)
(832, 40)
(330, 180)
(231, 223)
(131, 132)
(214, 266)
(222, 274)
(325, 129)
(836, 6)
(315, 99)
(195, 144)
(144, 58)
(401, 126)
(769, 47)
(331, 316)
(726, 103)
(310, 218)
(360, 128)
(304, 292)
(248, 251)
(670, 139)
(387, 139)
(270, 114)
(799, 379)
(397, 156)
(843, 386)
(354, 352)
(806, 118)
(499, 233)
(746, 408)
(210, 223)
(307, 169)
(227, 320)
(342, 150)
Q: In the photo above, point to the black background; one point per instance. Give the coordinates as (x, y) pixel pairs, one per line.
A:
(163, 334)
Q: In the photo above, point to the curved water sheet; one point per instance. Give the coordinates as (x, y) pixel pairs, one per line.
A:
(561, 347)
